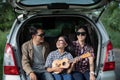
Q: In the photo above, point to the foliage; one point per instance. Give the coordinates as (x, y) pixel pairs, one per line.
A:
(7, 17)
(111, 18)
(114, 20)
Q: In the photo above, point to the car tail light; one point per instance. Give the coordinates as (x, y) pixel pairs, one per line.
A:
(109, 64)
(10, 67)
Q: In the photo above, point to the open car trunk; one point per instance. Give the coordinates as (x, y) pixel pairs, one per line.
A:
(55, 25)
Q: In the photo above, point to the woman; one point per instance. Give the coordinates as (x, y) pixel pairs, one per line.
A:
(59, 54)
(84, 68)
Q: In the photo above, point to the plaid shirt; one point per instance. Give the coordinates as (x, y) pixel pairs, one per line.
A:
(56, 55)
(82, 65)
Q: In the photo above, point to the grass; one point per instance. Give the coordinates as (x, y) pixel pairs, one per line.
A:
(2, 46)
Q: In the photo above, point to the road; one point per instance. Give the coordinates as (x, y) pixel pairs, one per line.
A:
(117, 60)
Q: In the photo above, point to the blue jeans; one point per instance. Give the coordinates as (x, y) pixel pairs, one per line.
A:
(43, 76)
(80, 76)
(62, 76)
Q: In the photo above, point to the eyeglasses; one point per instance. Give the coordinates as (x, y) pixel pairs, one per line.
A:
(41, 35)
(61, 41)
(81, 33)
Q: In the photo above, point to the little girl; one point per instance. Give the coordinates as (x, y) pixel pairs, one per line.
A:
(59, 54)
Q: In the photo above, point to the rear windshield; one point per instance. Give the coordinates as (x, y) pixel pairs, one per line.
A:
(43, 2)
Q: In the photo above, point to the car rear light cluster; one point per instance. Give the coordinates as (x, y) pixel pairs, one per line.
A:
(10, 67)
(109, 64)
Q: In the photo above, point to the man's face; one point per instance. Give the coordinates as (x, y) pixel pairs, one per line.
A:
(39, 37)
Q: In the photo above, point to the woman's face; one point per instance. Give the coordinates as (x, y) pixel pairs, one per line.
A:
(61, 43)
(81, 34)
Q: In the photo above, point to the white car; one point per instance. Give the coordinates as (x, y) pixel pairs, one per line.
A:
(59, 17)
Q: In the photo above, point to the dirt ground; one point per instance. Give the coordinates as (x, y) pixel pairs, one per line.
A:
(117, 60)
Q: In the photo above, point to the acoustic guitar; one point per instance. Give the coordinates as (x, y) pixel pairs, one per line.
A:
(65, 63)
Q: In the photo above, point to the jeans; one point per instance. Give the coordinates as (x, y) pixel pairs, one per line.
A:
(43, 76)
(62, 76)
(80, 76)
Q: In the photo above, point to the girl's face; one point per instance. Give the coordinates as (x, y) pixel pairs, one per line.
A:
(81, 34)
(61, 43)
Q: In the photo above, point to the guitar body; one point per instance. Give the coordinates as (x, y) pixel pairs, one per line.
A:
(65, 63)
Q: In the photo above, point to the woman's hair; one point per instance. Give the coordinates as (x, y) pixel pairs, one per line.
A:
(87, 40)
(83, 27)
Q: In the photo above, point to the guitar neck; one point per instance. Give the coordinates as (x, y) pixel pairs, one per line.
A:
(74, 59)
(85, 55)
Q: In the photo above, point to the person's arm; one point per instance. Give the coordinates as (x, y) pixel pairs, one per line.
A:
(71, 68)
(26, 63)
(91, 63)
(54, 69)
(25, 60)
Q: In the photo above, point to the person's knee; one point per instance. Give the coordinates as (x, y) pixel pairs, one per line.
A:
(67, 77)
(28, 78)
(48, 76)
(57, 77)
(77, 76)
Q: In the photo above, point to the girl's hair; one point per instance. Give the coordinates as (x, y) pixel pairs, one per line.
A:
(66, 39)
(69, 47)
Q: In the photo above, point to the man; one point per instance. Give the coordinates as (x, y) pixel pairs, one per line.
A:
(34, 53)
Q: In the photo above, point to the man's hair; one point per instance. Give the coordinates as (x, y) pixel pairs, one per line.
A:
(33, 29)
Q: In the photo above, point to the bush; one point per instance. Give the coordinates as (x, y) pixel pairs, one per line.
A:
(110, 19)
(114, 20)
(7, 17)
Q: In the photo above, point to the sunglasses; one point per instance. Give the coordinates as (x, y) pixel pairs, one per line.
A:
(81, 33)
(41, 35)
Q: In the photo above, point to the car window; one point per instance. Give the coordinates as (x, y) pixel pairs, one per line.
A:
(39, 2)
(61, 27)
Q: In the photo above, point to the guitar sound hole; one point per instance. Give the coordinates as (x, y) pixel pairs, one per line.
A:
(64, 63)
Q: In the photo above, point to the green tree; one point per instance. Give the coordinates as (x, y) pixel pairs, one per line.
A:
(112, 16)
(6, 17)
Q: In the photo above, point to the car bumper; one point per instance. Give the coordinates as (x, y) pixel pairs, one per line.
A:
(11, 77)
(107, 75)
